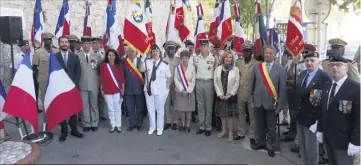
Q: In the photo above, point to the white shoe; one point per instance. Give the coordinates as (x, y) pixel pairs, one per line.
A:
(159, 132)
(151, 131)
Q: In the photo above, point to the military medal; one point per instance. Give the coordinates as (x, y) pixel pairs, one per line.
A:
(340, 105)
(349, 106)
(93, 63)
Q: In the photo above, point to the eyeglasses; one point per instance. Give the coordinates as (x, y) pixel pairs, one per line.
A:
(336, 64)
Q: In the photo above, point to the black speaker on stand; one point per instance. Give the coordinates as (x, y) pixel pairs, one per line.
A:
(11, 32)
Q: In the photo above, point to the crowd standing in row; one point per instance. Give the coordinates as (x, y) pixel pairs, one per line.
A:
(324, 101)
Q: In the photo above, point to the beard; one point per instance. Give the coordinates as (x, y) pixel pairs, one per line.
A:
(64, 48)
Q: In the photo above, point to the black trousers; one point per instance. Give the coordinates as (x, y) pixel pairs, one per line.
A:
(135, 107)
(266, 121)
(36, 86)
(292, 106)
(73, 120)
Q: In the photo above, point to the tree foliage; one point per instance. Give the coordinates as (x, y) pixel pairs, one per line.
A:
(346, 4)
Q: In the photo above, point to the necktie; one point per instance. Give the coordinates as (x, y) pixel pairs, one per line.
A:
(65, 57)
(332, 95)
(268, 67)
(87, 58)
(153, 72)
(304, 83)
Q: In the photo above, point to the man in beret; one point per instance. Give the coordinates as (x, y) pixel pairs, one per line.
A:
(245, 65)
(205, 64)
(89, 85)
(171, 115)
(41, 64)
(338, 49)
(308, 97)
(18, 57)
(339, 116)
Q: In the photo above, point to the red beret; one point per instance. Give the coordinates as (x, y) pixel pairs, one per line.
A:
(310, 47)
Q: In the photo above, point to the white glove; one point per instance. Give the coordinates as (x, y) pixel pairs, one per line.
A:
(353, 149)
(319, 136)
(313, 127)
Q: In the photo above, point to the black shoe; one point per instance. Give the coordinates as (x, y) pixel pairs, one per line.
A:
(103, 119)
(167, 126)
(284, 124)
(62, 138)
(200, 131)
(94, 129)
(77, 134)
(86, 129)
(295, 149)
(139, 128)
(271, 153)
(118, 130)
(174, 126)
(187, 130)
(40, 111)
(130, 128)
(238, 137)
(252, 142)
(208, 133)
(322, 161)
(181, 128)
(288, 139)
(285, 133)
(258, 146)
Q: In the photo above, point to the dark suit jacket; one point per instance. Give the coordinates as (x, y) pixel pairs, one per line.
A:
(132, 84)
(340, 128)
(73, 66)
(259, 94)
(306, 113)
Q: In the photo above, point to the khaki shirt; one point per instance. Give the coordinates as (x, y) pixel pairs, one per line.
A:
(246, 77)
(172, 64)
(352, 72)
(41, 59)
(204, 67)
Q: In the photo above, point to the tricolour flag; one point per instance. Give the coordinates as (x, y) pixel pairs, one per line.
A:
(20, 101)
(148, 22)
(87, 30)
(260, 31)
(62, 97)
(135, 33)
(112, 38)
(38, 25)
(273, 38)
(179, 22)
(294, 39)
(2, 102)
(239, 37)
(63, 25)
(225, 30)
(199, 32)
(212, 33)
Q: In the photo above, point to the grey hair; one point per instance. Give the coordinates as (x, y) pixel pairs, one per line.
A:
(270, 47)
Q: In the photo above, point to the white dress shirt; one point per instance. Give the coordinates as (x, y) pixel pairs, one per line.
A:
(162, 74)
(339, 84)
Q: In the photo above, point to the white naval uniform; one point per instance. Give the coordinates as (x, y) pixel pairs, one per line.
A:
(159, 93)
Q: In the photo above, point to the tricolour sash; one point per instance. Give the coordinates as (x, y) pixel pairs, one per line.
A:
(268, 82)
(134, 70)
(182, 76)
(114, 78)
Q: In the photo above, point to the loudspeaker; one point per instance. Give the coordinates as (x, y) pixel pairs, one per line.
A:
(11, 29)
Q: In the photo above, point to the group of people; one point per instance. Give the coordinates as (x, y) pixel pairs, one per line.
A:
(324, 104)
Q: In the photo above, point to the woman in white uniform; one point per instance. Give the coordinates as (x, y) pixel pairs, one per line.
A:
(157, 75)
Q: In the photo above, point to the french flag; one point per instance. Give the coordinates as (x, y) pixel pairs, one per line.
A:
(260, 31)
(112, 38)
(273, 38)
(212, 33)
(225, 31)
(2, 101)
(199, 32)
(20, 101)
(62, 97)
(63, 25)
(239, 37)
(37, 29)
(87, 29)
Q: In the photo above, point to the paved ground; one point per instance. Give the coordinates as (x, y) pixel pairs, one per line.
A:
(136, 147)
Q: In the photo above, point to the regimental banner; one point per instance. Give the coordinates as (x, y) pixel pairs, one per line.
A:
(294, 41)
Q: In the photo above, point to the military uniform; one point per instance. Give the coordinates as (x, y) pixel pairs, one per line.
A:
(339, 124)
(353, 71)
(205, 66)
(41, 61)
(73, 41)
(89, 87)
(245, 84)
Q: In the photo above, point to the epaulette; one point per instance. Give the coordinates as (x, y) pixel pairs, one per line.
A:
(164, 61)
